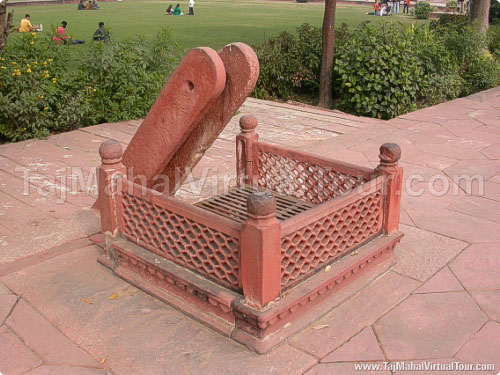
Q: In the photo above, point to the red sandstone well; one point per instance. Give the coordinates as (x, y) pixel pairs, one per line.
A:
(257, 262)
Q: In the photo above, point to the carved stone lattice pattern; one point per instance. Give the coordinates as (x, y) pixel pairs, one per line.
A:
(330, 237)
(182, 240)
(303, 180)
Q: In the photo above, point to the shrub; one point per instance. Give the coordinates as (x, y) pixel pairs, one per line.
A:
(452, 4)
(112, 82)
(447, 21)
(289, 64)
(422, 10)
(126, 76)
(476, 66)
(386, 70)
(494, 16)
(494, 41)
(34, 94)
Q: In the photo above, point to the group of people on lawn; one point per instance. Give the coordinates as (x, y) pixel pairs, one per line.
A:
(382, 8)
(171, 11)
(60, 37)
(89, 5)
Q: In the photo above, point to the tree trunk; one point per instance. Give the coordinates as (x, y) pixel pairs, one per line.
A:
(328, 37)
(479, 14)
(5, 23)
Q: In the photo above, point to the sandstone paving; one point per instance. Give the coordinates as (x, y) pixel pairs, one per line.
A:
(484, 346)
(442, 281)
(478, 267)
(421, 253)
(489, 301)
(439, 302)
(362, 347)
(353, 315)
(433, 325)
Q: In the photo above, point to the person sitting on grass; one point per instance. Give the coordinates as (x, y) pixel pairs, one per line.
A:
(168, 12)
(81, 5)
(178, 11)
(89, 5)
(26, 26)
(60, 35)
(101, 34)
(94, 5)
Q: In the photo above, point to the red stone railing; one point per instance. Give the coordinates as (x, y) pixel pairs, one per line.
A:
(304, 176)
(329, 231)
(262, 256)
(183, 233)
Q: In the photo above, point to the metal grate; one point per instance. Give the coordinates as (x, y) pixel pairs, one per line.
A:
(233, 204)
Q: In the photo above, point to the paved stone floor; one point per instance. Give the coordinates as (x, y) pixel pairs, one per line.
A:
(62, 313)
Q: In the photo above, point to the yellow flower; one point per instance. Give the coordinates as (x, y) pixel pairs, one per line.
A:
(3, 67)
(94, 90)
(28, 70)
(46, 108)
(44, 63)
(28, 65)
(46, 75)
(13, 63)
(40, 96)
(50, 60)
(54, 80)
(35, 62)
(31, 43)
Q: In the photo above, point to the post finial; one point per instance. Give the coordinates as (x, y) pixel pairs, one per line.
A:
(389, 153)
(111, 152)
(261, 204)
(248, 123)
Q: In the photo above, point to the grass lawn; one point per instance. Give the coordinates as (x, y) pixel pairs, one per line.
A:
(215, 24)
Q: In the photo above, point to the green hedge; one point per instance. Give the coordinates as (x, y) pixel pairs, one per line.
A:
(43, 90)
(382, 70)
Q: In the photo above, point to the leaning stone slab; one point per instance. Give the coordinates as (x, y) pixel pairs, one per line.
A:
(242, 71)
(193, 87)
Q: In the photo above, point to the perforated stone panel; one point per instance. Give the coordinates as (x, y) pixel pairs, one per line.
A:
(303, 180)
(182, 240)
(330, 237)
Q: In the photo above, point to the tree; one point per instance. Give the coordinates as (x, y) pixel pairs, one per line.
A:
(328, 38)
(5, 23)
(479, 14)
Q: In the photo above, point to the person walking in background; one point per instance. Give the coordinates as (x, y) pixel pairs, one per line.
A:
(395, 6)
(406, 6)
(376, 8)
(191, 7)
